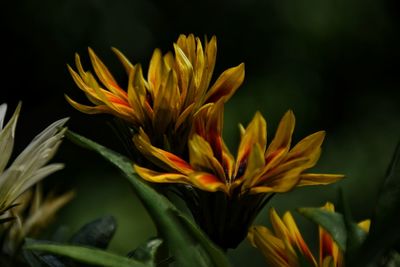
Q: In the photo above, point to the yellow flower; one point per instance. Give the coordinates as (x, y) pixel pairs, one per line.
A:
(225, 194)
(163, 104)
(284, 246)
(258, 168)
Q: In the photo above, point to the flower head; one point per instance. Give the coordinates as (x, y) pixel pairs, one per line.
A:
(258, 167)
(31, 165)
(285, 246)
(163, 105)
(232, 191)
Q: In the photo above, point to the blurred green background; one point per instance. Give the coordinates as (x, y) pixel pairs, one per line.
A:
(333, 62)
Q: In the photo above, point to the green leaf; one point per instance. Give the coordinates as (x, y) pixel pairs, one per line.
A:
(187, 243)
(332, 222)
(87, 255)
(355, 235)
(385, 221)
(147, 252)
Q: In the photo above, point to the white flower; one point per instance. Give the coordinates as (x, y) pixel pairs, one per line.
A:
(31, 165)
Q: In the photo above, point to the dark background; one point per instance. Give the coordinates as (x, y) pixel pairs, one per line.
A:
(333, 62)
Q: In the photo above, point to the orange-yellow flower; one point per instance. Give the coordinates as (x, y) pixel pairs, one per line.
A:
(285, 246)
(163, 105)
(258, 167)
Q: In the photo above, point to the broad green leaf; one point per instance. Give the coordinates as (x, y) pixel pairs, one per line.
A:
(332, 222)
(385, 221)
(186, 242)
(87, 255)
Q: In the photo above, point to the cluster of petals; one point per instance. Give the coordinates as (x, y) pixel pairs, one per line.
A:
(177, 85)
(285, 246)
(258, 167)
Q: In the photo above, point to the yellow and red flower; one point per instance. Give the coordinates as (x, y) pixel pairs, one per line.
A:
(285, 246)
(163, 105)
(225, 194)
(258, 168)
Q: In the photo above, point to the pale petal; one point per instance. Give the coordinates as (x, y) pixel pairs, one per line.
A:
(7, 136)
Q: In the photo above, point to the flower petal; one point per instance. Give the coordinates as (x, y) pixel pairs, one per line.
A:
(7, 135)
(328, 250)
(160, 157)
(256, 133)
(125, 62)
(202, 158)
(158, 177)
(272, 247)
(105, 76)
(206, 181)
(308, 146)
(254, 166)
(226, 84)
(297, 237)
(283, 136)
(307, 179)
(365, 225)
(154, 75)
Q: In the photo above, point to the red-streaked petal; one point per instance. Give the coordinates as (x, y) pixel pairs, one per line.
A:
(297, 237)
(206, 181)
(255, 133)
(160, 157)
(202, 158)
(105, 76)
(283, 135)
(328, 248)
(157, 177)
